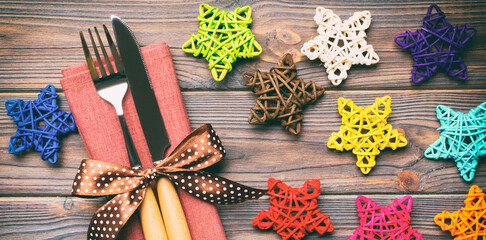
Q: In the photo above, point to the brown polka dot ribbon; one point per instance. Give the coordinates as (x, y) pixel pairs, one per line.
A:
(200, 149)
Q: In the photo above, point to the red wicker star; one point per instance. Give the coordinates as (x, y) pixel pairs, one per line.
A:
(391, 222)
(294, 212)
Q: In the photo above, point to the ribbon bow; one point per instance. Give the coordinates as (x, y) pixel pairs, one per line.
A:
(200, 149)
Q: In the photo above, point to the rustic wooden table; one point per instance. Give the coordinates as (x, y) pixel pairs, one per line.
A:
(37, 40)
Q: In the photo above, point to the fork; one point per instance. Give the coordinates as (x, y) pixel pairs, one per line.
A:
(112, 88)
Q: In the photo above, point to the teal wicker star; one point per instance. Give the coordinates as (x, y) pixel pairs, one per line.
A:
(463, 138)
(222, 38)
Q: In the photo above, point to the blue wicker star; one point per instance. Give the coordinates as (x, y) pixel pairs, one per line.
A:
(463, 138)
(39, 124)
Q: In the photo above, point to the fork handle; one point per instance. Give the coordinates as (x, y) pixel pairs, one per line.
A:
(132, 153)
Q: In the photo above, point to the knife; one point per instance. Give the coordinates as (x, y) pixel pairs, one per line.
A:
(152, 224)
(152, 125)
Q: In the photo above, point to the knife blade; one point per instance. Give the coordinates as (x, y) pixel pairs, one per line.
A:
(142, 91)
(150, 216)
(152, 125)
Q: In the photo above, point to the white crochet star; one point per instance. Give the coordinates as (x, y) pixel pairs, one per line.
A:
(340, 44)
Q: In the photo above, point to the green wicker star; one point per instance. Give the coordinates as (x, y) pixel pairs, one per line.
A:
(463, 138)
(222, 38)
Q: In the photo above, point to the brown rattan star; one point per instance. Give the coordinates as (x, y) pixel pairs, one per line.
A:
(281, 95)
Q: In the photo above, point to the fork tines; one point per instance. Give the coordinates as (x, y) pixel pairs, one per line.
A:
(89, 59)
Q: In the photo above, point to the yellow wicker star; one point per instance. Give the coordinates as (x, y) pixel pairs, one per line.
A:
(366, 131)
(470, 221)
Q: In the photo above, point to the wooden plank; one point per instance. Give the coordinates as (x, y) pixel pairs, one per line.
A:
(38, 40)
(68, 217)
(256, 152)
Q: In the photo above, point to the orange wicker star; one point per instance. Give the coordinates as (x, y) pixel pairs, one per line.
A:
(470, 221)
(366, 131)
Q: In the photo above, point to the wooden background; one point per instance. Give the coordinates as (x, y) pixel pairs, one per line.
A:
(37, 40)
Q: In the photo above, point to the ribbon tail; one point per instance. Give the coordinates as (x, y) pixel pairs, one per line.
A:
(111, 217)
(213, 189)
(96, 178)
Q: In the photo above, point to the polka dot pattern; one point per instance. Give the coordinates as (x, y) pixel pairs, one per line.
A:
(214, 189)
(201, 149)
(110, 219)
(96, 178)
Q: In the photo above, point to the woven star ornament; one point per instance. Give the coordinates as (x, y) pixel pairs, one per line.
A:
(340, 44)
(463, 138)
(281, 95)
(436, 45)
(40, 124)
(470, 221)
(294, 212)
(222, 38)
(365, 131)
(390, 222)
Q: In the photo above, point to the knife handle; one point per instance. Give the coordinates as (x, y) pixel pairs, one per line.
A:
(152, 222)
(171, 208)
(132, 153)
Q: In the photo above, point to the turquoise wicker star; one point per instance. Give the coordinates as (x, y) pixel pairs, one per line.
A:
(222, 38)
(463, 138)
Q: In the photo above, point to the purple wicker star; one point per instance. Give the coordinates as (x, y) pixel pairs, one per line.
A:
(40, 123)
(436, 45)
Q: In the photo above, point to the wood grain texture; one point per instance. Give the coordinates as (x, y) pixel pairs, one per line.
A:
(291, 158)
(67, 217)
(40, 39)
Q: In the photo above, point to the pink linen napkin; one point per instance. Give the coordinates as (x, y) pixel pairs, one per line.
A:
(102, 136)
